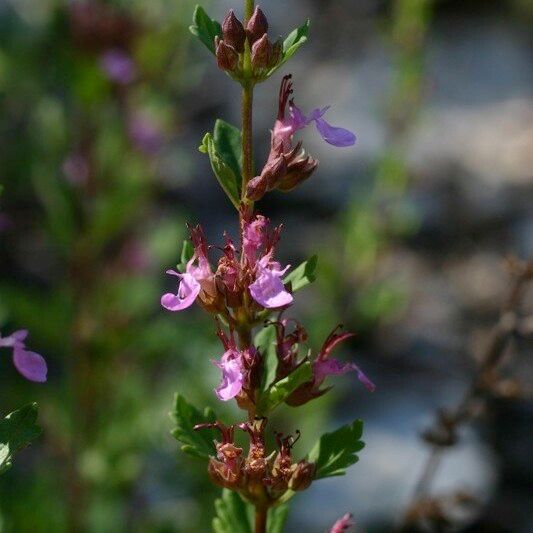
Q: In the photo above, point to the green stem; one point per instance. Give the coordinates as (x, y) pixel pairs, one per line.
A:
(248, 9)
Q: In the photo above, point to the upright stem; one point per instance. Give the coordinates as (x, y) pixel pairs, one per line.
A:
(260, 519)
(248, 9)
(245, 333)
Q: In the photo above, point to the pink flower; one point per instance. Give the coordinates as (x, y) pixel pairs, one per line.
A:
(232, 375)
(30, 364)
(194, 279)
(188, 289)
(254, 237)
(268, 289)
(324, 366)
(286, 126)
(342, 524)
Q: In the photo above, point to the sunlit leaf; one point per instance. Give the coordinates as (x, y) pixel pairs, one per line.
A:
(205, 28)
(335, 452)
(17, 430)
(303, 274)
(283, 388)
(186, 416)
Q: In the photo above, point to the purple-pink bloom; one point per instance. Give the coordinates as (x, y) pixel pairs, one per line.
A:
(30, 364)
(254, 237)
(324, 366)
(188, 289)
(334, 367)
(232, 375)
(286, 126)
(118, 66)
(343, 524)
(268, 289)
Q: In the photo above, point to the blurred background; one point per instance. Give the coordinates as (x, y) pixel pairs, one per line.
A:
(102, 108)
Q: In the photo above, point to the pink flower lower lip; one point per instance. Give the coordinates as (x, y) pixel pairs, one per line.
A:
(31, 365)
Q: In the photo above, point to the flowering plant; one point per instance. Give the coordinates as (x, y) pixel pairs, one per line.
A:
(248, 293)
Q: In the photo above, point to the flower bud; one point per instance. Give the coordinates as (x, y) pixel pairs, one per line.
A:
(233, 31)
(297, 172)
(273, 172)
(227, 57)
(302, 475)
(257, 26)
(261, 53)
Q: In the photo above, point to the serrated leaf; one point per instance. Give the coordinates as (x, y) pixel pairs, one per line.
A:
(234, 515)
(223, 171)
(187, 251)
(205, 28)
(186, 416)
(265, 342)
(228, 144)
(336, 451)
(280, 390)
(303, 274)
(294, 40)
(17, 430)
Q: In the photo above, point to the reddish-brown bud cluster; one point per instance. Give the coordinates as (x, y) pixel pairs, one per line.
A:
(230, 48)
(258, 476)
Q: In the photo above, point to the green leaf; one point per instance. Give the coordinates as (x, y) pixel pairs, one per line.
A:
(336, 451)
(186, 416)
(265, 342)
(280, 390)
(277, 516)
(187, 252)
(234, 515)
(228, 144)
(205, 28)
(17, 430)
(303, 275)
(229, 182)
(294, 40)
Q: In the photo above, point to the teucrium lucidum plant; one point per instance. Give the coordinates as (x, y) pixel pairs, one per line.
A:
(263, 365)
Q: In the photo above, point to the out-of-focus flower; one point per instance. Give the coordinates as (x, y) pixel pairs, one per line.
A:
(76, 169)
(268, 289)
(30, 364)
(145, 134)
(5, 222)
(118, 66)
(343, 524)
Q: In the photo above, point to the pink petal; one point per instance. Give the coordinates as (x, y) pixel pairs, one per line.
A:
(30, 364)
(334, 367)
(232, 376)
(336, 136)
(268, 290)
(188, 290)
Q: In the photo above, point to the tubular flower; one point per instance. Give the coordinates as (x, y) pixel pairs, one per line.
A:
(323, 367)
(287, 166)
(30, 364)
(231, 365)
(268, 289)
(197, 280)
